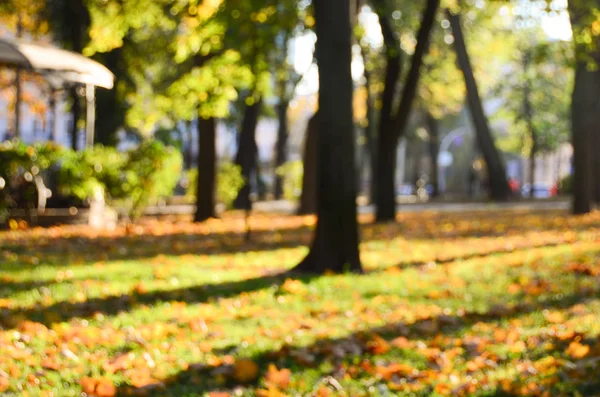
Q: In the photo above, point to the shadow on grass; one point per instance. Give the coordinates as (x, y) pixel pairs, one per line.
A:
(10, 287)
(115, 304)
(112, 305)
(61, 250)
(200, 378)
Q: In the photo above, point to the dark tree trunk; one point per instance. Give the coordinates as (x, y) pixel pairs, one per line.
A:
(499, 188)
(76, 15)
(207, 166)
(596, 146)
(281, 146)
(308, 197)
(585, 109)
(434, 151)
(335, 244)
(384, 153)
(395, 129)
(246, 154)
(189, 153)
(76, 113)
(110, 112)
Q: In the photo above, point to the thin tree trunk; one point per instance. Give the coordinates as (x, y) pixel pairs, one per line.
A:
(389, 135)
(281, 146)
(76, 113)
(207, 166)
(246, 154)
(434, 151)
(308, 196)
(189, 154)
(499, 188)
(18, 94)
(77, 19)
(384, 154)
(335, 243)
(53, 115)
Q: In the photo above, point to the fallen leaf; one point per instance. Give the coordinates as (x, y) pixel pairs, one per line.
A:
(279, 378)
(577, 350)
(245, 371)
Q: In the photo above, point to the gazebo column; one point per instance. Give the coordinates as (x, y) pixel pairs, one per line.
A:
(90, 115)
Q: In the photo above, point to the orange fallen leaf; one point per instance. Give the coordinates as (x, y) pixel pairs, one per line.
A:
(294, 287)
(577, 350)
(279, 378)
(88, 385)
(245, 371)
(219, 394)
(4, 384)
(378, 345)
(105, 388)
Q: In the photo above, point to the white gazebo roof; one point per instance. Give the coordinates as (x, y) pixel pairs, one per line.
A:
(62, 64)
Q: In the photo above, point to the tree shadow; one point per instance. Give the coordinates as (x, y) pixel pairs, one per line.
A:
(200, 378)
(123, 246)
(115, 304)
(10, 287)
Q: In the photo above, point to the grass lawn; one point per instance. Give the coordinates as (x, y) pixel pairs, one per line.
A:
(495, 304)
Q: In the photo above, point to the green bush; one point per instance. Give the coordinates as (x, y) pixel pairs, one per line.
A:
(132, 179)
(292, 173)
(20, 166)
(229, 183)
(151, 172)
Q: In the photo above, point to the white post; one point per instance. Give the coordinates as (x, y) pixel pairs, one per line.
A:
(90, 115)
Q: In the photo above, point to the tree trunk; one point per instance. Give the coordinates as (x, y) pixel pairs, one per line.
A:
(585, 108)
(499, 188)
(76, 113)
(308, 197)
(596, 146)
(281, 146)
(395, 129)
(434, 151)
(528, 114)
(189, 137)
(207, 166)
(246, 154)
(110, 112)
(335, 243)
(384, 154)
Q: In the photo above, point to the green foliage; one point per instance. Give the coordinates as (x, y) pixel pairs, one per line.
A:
(150, 172)
(229, 183)
(132, 179)
(19, 166)
(536, 98)
(292, 173)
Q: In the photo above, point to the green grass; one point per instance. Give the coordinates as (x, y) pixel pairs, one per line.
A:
(469, 305)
